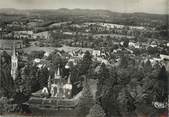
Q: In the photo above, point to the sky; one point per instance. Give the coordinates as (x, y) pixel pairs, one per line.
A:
(148, 6)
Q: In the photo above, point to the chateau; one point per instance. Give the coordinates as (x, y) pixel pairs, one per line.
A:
(57, 95)
(58, 87)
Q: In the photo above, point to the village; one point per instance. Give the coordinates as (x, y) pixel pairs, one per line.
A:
(56, 65)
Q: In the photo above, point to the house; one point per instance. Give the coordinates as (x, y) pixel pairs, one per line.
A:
(37, 60)
(135, 45)
(164, 57)
(96, 53)
(68, 33)
(167, 44)
(41, 35)
(23, 34)
(153, 44)
(102, 60)
(29, 32)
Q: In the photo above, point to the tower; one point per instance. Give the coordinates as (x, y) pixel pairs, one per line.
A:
(68, 88)
(14, 63)
(68, 80)
(57, 76)
(56, 87)
(49, 83)
(59, 84)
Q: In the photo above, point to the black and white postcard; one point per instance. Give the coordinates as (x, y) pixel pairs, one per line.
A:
(84, 58)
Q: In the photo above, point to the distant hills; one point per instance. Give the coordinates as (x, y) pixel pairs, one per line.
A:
(88, 14)
(12, 11)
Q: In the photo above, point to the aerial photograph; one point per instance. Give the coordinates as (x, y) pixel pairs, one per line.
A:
(84, 58)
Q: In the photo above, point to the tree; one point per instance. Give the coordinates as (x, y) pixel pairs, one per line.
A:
(6, 81)
(36, 54)
(152, 50)
(104, 81)
(26, 42)
(96, 111)
(86, 62)
(85, 103)
(57, 60)
(127, 103)
(161, 89)
(124, 61)
(110, 103)
(126, 43)
(148, 66)
(4, 106)
(5, 58)
(43, 77)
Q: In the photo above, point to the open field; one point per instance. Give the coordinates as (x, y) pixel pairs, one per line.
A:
(51, 49)
(112, 36)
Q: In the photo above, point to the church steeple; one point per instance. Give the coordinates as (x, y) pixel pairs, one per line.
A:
(58, 72)
(14, 63)
(57, 75)
(68, 80)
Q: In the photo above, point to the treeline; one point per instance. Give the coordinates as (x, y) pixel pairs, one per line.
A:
(126, 90)
(131, 88)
